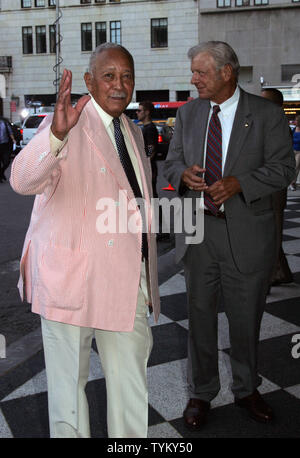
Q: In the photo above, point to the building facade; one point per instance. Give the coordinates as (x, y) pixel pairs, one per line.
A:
(264, 35)
(157, 32)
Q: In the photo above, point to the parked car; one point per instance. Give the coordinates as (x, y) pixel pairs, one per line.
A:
(30, 126)
(16, 129)
(165, 133)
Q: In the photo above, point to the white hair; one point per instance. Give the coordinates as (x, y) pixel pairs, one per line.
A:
(104, 47)
(221, 52)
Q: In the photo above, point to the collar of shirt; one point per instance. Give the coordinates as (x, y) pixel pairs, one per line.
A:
(106, 118)
(230, 104)
(226, 116)
(107, 121)
(108, 124)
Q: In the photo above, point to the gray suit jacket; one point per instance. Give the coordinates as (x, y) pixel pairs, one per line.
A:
(260, 156)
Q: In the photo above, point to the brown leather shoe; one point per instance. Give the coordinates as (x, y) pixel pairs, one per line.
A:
(257, 408)
(195, 413)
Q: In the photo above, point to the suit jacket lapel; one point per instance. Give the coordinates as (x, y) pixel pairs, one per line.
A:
(105, 148)
(199, 134)
(240, 129)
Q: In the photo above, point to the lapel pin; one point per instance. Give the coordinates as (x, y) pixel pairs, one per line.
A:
(246, 124)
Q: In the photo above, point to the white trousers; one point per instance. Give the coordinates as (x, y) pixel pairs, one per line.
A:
(123, 356)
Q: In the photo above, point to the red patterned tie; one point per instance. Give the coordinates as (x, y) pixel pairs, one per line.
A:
(213, 163)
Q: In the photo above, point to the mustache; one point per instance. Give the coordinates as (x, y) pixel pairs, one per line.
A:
(119, 95)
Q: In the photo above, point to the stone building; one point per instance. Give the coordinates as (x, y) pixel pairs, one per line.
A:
(264, 33)
(158, 33)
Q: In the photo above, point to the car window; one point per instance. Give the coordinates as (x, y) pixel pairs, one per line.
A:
(33, 122)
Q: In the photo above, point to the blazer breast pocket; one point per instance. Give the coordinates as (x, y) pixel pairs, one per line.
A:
(61, 281)
(265, 211)
(250, 151)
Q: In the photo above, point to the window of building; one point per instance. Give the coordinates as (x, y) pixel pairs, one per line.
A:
(288, 71)
(246, 75)
(25, 3)
(100, 33)
(52, 39)
(115, 32)
(223, 3)
(114, 1)
(40, 36)
(182, 96)
(27, 40)
(83, 2)
(242, 2)
(159, 33)
(156, 96)
(100, 1)
(261, 2)
(86, 36)
(40, 3)
(295, 1)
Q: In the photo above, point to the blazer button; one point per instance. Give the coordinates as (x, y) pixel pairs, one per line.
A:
(42, 156)
(110, 242)
(103, 170)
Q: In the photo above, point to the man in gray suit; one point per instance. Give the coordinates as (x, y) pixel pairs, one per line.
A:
(235, 149)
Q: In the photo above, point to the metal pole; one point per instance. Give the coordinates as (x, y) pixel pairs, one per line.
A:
(57, 48)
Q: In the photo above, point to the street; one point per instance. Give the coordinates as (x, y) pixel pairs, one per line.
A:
(16, 320)
(23, 387)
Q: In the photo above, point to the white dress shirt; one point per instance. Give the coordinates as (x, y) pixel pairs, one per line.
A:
(226, 116)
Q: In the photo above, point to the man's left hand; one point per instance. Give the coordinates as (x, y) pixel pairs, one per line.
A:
(223, 189)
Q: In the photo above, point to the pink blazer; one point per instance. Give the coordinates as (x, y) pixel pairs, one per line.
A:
(69, 271)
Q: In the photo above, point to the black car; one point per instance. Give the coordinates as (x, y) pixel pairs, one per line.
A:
(165, 133)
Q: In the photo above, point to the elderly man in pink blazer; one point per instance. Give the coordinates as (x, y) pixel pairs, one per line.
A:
(86, 278)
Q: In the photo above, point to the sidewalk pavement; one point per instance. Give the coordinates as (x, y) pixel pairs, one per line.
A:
(23, 387)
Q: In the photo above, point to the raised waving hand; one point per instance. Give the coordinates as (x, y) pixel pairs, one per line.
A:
(65, 115)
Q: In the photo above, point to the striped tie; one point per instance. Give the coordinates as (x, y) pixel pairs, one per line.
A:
(213, 163)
